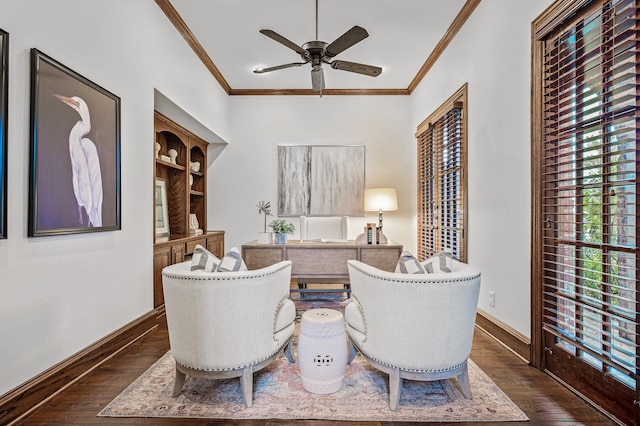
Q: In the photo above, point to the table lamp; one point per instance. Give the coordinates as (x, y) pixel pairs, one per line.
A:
(380, 199)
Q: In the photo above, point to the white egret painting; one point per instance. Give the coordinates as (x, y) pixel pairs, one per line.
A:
(75, 164)
(321, 180)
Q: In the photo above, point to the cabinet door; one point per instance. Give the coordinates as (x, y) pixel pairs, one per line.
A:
(177, 253)
(161, 259)
(215, 244)
(384, 259)
(259, 257)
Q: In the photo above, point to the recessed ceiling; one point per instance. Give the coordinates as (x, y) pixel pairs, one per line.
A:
(402, 36)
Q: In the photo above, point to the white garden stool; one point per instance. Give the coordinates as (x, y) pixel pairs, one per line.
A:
(322, 350)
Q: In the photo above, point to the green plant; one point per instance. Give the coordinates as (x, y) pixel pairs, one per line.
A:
(281, 226)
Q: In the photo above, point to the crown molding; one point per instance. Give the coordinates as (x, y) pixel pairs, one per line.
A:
(183, 29)
(325, 92)
(192, 41)
(449, 35)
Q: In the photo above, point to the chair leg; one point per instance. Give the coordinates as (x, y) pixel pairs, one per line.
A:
(395, 385)
(246, 383)
(463, 381)
(178, 382)
(288, 352)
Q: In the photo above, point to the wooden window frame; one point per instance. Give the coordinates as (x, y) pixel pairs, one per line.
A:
(457, 101)
(548, 25)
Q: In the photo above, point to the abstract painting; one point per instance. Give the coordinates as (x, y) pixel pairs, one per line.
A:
(4, 88)
(321, 180)
(75, 152)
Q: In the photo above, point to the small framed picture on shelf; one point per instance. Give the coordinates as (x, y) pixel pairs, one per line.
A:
(162, 208)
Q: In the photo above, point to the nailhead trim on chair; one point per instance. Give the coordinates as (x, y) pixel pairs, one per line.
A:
(275, 315)
(418, 278)
(439, 281)
(386, 364)
(218, 276)
(236, 368)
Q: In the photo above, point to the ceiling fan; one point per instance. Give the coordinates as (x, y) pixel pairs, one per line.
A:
(319, 52)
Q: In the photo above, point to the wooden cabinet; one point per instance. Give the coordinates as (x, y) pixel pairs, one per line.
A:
(215, 243)
(186, 183)
(185, 177)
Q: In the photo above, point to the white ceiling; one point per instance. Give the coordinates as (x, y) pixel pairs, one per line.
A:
(402, 35)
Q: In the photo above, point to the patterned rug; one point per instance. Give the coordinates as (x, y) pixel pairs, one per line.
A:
(278, 394)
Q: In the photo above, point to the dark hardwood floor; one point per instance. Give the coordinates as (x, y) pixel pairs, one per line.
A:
(538, 395)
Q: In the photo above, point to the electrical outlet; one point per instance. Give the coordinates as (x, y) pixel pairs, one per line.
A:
(492, 299)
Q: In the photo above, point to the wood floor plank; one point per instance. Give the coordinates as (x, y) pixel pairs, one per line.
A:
(544, 400)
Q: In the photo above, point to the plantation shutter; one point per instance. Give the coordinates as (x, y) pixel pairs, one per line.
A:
(441, 180)
(589, 196)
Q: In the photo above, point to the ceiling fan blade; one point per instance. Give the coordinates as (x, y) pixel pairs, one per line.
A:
(278, 67)
(346, 40)
(369, 70)
(277, 37)
(317, 79)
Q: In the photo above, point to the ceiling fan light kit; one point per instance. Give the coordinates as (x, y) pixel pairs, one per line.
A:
(318, 52)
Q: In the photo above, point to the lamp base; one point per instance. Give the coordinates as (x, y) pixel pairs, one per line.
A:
(362, 239)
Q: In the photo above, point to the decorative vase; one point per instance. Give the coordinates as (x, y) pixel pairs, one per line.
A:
(173, 154)
(265, 237)
(281, 238)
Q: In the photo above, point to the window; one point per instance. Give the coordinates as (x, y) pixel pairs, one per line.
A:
(442, 159)
(586, 237)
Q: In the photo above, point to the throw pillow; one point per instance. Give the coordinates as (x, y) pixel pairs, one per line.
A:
(408, 264)
(232, 261)
(204, 260)
(439, 262)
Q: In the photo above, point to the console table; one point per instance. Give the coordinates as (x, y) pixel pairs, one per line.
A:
(319, 262)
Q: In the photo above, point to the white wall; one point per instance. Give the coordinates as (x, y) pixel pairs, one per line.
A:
(60, 294)
(492, 53)
(246, 171)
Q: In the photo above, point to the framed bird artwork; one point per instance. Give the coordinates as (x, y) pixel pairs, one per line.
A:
(74, 180)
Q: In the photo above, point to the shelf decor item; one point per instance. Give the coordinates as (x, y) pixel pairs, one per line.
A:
(173, 154)
(264, 237)
(194, 226)
(162, 208)
(282, 228)
(74, 178)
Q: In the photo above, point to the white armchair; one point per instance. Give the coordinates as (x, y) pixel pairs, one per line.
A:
(227, 324)
(414, 326)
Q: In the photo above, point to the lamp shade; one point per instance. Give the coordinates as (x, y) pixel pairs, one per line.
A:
(377, 199)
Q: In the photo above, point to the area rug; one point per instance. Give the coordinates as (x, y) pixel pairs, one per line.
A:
(278, 394)
(318, 300)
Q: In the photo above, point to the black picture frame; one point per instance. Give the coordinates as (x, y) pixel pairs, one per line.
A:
(4, 113)
(74, 180)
